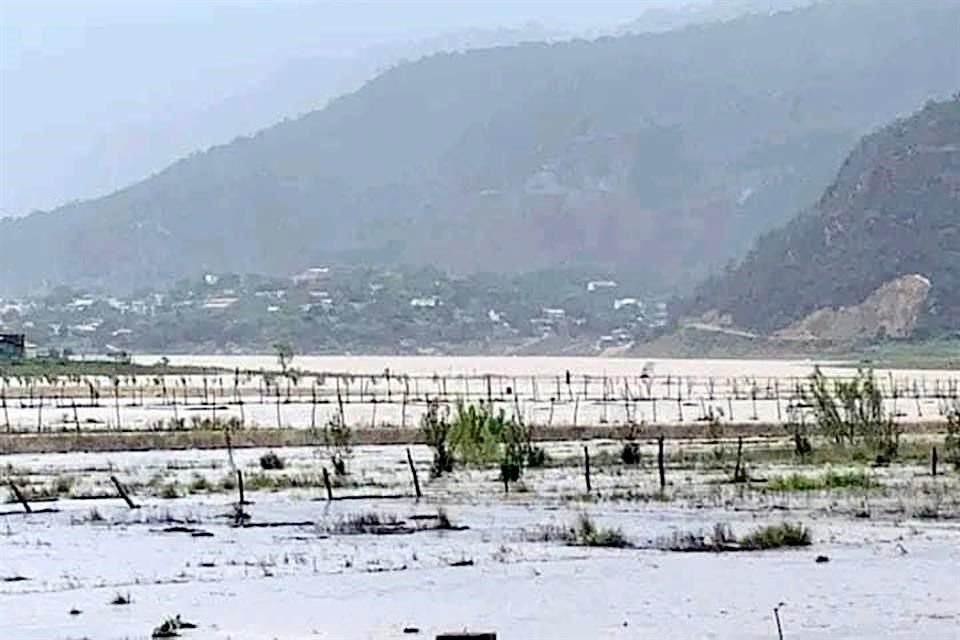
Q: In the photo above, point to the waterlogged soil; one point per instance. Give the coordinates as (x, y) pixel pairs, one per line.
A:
(893, 551)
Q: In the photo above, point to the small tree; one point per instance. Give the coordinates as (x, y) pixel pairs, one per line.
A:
(476, 433)
(951, 444)
(436, 431)
(338, 438)
(854, 413)
(284, 355)
(797, 427)
(480, 436)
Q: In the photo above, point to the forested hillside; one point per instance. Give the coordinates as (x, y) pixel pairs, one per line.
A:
(893, 210)
(664, 154)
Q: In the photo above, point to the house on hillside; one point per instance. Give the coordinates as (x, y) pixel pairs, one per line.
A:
(13, 346)
(312, 275)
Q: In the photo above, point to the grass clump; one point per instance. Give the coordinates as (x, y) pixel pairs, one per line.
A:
(857, 479)
(584, 533)
(170, 491)
(443, 520)
(63, 484)
(588, 534)
(368, 522)
(279, 482)
(722, 539)
(630, 453)
(121, 599)
(776, 536)
(271, 461)
(200, 484)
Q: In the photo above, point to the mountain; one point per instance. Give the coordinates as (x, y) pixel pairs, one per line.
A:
(664, 154)
(883, 241)
(118, 120)
(679, 15)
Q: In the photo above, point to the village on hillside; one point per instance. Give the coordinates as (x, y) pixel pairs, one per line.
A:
(343, 310)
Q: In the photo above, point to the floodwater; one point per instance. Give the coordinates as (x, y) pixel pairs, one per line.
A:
(518, 366)
(890, 577)
(393, 391)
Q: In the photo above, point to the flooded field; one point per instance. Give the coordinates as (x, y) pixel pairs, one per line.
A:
(299, 568)
(373, 392)
(690, 523)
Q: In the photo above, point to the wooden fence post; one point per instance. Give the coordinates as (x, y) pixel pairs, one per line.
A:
(413, 472)
(123, 493)
(738, 475)
(933, 462)
(326, 483)
(6, 415)
(661, 465)
(20, 498)
(586, 467)
(243, 499)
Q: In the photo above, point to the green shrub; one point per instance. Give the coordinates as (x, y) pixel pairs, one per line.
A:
(476, 434)
(435, 429)
(199, 484)
(63, 484)
(630, 453)
(536, 457)
(777, 536)
(951, 444)
(480, 436)
(271, 461)
(339, 439)
(170, 491)
(853, 413)
(830, 480)
(588, 534)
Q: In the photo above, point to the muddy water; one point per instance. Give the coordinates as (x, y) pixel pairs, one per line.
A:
(531, 365)
(600, 391)
(890, 576)
(293, 583)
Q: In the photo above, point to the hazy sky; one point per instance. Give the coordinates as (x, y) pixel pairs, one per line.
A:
(95, 94)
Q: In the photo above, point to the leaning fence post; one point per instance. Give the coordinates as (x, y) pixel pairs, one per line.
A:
(19, 496)
(413, 472)
(123, 493)
(660, 464)
(586, 467)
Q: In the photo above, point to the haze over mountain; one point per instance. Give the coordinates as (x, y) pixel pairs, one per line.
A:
(663, 153)
(94, 98)
(889, 222)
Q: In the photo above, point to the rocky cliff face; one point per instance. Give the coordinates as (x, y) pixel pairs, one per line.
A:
(879, 253)
(892, 311)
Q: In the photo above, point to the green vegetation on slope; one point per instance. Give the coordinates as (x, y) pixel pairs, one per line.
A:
(892, 211)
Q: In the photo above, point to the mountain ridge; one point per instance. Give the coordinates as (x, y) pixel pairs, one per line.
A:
(892, 211)
(529, 156)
